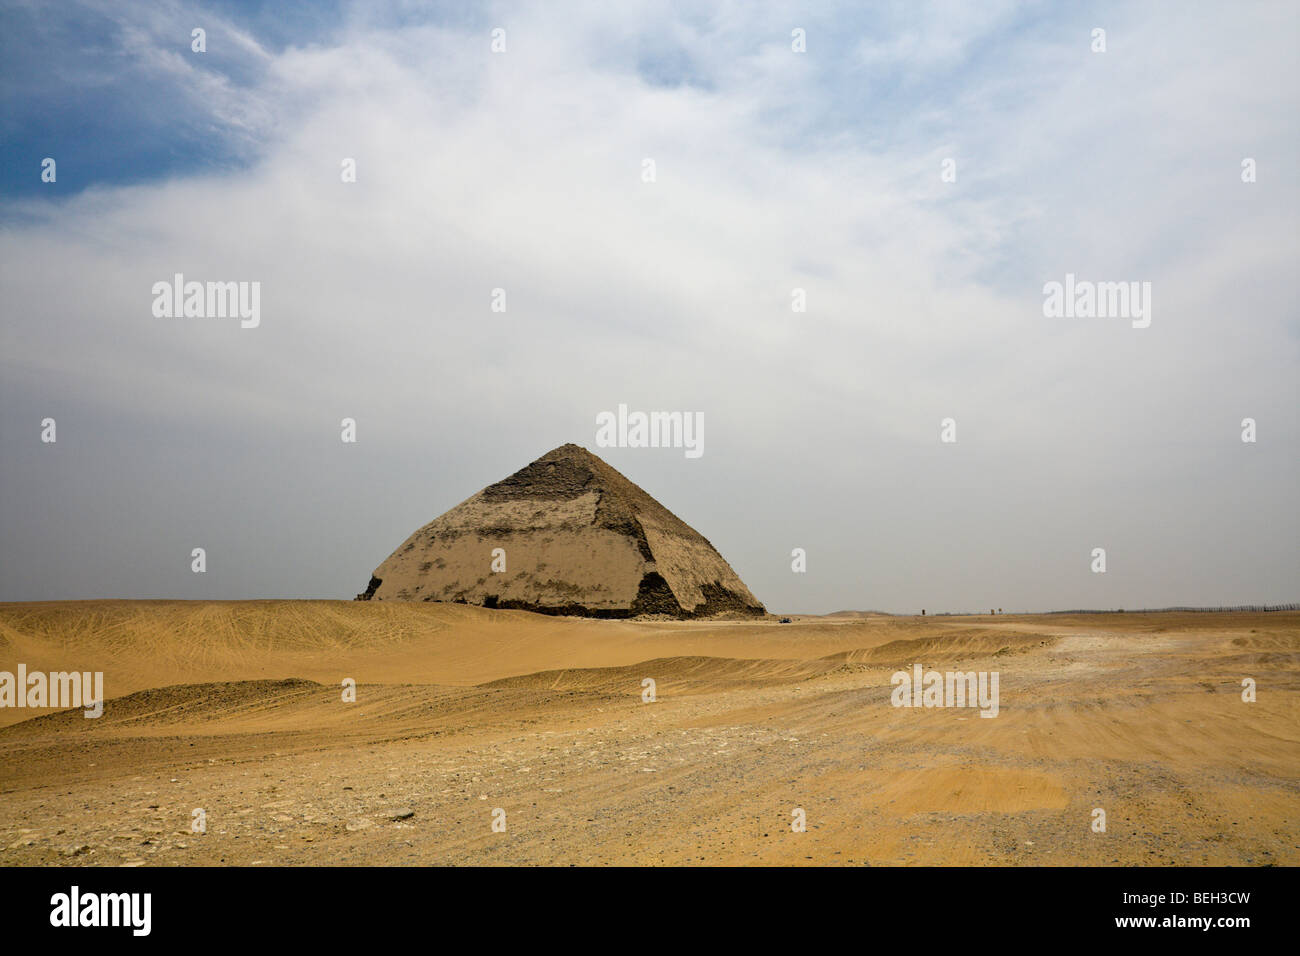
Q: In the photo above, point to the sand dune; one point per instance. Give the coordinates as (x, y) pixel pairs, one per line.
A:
(143, 644)
(235, 707)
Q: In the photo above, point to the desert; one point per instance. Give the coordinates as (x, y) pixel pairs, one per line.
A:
(236, 709)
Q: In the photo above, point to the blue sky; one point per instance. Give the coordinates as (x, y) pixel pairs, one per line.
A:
(88, 81)
(73, 89)
(776, 170)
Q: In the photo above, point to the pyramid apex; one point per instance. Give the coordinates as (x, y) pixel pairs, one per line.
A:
(568, 450)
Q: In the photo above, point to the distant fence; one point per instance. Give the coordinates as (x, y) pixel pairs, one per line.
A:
(1141, 610)
(1208, 610)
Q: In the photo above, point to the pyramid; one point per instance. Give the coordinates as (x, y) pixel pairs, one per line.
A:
(575, 537)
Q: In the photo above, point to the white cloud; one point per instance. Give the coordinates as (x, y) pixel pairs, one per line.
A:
(522, 171)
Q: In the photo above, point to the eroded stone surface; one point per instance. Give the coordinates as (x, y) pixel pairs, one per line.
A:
(578, 537)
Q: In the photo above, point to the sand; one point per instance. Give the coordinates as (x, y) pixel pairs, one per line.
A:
(235, 708)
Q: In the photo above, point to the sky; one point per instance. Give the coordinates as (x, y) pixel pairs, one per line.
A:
(919, 171)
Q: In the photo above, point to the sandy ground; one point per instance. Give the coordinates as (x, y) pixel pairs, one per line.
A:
(236, 708)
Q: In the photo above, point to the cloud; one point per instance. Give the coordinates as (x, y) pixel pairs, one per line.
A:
(775, 171)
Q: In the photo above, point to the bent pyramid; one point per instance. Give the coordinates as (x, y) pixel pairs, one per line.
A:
(578, 538)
